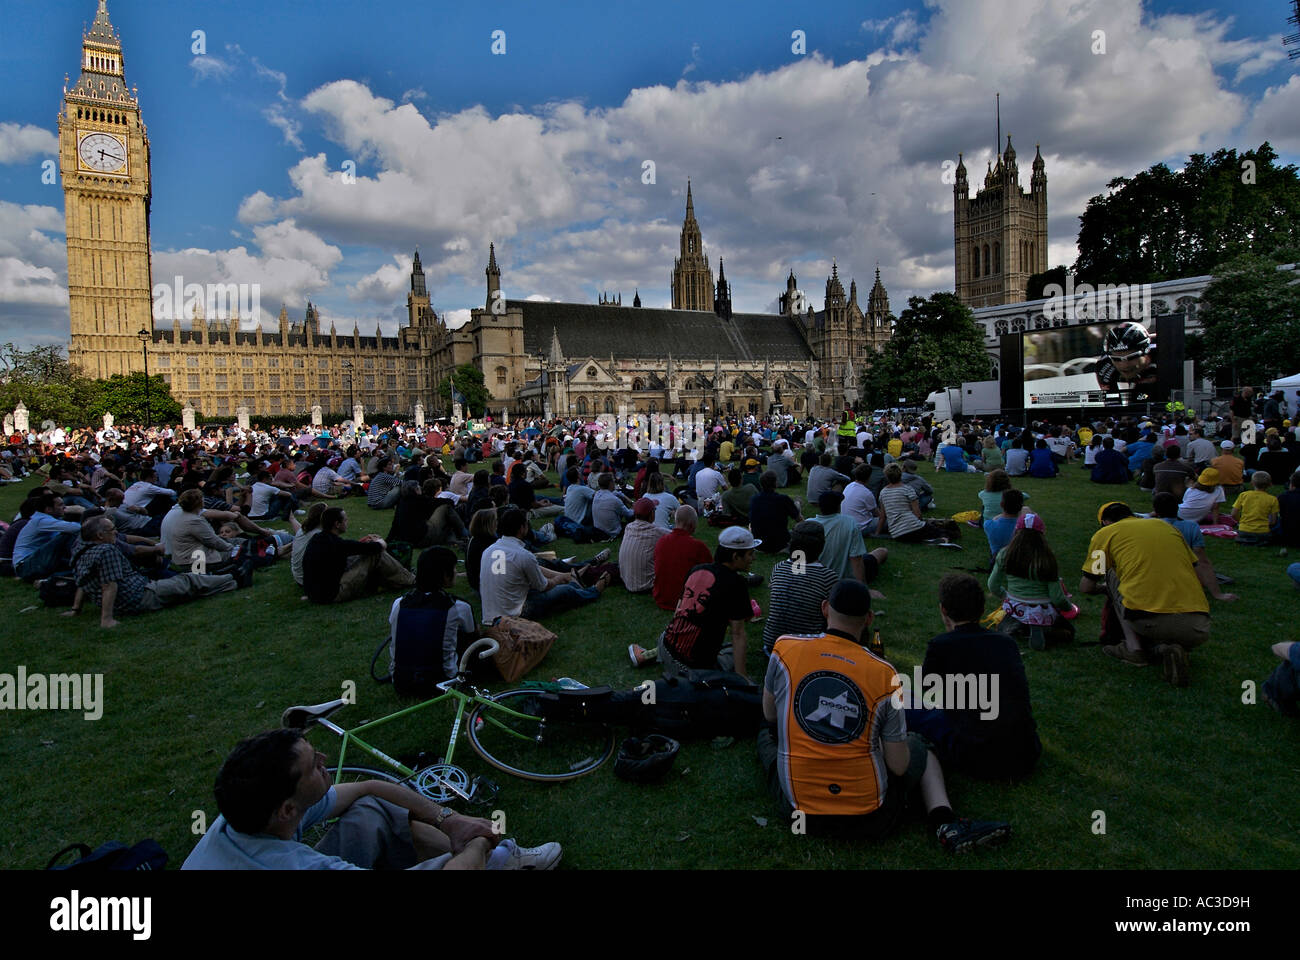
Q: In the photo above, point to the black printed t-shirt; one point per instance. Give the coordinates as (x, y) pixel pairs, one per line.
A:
(713, 596)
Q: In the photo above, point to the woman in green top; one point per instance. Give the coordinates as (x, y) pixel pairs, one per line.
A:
(991, 454)
(1028, 579)
(991, 496)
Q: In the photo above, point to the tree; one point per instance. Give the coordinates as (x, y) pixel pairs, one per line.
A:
(1037, 281)
(1162, 224)
(124, 397)
(469, 384)
(936, 343)
(42, 378)
(1250, 315)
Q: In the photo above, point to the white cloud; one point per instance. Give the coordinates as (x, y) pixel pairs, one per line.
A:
(455, 319)
(695, 60)
(387, 285)
(20, 142)
(1275, 118)
(208, 67)
(22, 283)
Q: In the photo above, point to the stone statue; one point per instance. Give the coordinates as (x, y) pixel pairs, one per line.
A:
(108, 421)
(187, 416)
(241, 416)
(359, 415)
(419, 416)
(9, 424)
(317, 417)
(21, 423)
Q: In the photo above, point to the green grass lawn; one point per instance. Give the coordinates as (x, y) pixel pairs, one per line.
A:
(1189, 778)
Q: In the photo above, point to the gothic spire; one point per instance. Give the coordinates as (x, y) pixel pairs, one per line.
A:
(557, 354)
(690, 203)
(492, 267)
(636, 299)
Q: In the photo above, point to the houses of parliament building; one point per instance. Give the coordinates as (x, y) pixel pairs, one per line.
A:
(536, 357)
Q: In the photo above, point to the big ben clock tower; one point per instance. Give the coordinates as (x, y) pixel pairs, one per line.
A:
(104, 163)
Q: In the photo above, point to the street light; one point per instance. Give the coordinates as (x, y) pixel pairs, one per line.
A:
(144, 337)
(352, 401)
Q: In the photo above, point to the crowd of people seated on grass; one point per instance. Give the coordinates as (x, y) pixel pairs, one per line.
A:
(140, 520)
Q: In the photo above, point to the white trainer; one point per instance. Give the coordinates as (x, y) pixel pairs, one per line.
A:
(544, 857)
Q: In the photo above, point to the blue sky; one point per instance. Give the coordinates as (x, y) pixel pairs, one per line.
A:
(795, 158)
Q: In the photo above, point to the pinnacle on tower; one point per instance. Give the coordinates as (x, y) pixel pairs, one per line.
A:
(636, 298)
(557, 354)
(492, 267)
(690, 203)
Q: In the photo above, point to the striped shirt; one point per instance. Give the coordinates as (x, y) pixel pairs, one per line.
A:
(897, 503)
(636, 555)
(795, 605)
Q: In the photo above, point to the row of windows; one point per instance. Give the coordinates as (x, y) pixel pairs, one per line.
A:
(164, 360)
(221, 381)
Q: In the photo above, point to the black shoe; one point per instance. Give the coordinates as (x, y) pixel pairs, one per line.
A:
(963, 835)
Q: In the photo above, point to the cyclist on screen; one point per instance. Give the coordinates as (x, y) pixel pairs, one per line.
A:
(1130, 357)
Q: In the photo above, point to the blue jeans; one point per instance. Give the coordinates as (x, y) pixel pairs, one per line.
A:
(543, 603)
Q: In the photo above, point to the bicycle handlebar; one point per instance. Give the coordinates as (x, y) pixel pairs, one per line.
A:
(486, 644)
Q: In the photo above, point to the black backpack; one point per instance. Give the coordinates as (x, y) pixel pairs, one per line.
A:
(417, 644)
(145, 855)
(59, 590)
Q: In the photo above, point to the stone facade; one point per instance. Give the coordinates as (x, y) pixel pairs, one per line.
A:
(1000, 237)
(566, 358)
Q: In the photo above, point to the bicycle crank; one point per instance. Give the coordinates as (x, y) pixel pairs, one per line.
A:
(443, 782)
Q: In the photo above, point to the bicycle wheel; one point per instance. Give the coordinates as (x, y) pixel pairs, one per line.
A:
(315, 833)
(532, 748)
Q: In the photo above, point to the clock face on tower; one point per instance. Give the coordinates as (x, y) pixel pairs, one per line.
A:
(102, 152)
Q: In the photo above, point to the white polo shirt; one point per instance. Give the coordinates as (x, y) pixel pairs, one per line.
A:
(507, 572)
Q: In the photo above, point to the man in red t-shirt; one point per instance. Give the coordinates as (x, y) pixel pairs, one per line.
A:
(675, 555)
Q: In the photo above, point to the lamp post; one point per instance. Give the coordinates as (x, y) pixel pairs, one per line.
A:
(144, 336)
(352, 402)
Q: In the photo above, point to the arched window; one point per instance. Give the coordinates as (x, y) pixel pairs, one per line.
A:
(501, 375)
(609, 404)
(997, 257)
(999, 327)
(735, 384)
(986, 259)
(637, 384)
(591, 373)
(975, 262)
(654, 407)
(1040, 323)
(582, 406)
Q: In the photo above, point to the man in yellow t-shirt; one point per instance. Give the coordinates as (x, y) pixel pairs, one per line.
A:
(1256, 510)
(1149, 573)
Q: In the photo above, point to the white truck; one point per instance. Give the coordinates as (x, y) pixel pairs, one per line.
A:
(976, 398)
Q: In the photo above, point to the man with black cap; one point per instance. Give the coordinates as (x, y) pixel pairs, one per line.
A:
(835, 748)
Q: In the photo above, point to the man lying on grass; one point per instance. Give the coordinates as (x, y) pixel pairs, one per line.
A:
(274, 786)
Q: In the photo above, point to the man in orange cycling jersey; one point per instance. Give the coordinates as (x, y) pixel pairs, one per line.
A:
(835, 747)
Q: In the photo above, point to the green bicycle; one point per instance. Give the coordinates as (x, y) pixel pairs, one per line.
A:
(510, 730)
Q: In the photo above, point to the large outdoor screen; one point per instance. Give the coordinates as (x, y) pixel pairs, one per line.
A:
(1094, 365)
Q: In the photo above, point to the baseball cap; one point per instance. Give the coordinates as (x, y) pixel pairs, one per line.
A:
(1031, 521)
(644, 509)
(852, 598)
(1209, 477)
(829, 501)
(737, 538)
(751, 462)
(1226, 445)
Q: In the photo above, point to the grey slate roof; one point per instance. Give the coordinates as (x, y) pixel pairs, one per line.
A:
(588, 329)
